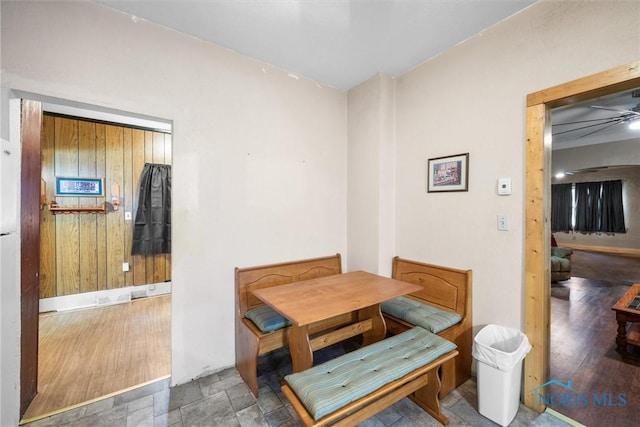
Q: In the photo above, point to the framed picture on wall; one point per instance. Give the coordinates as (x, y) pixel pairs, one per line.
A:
(78, 187)
(449, 173)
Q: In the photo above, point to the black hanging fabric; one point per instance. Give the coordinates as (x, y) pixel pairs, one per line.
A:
(561, 207)
(612, 219)
(152, 227)
(599, 207)
(587, 206)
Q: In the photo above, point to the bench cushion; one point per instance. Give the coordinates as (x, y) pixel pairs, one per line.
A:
(420, 314)
(327, 387)
(267, 319)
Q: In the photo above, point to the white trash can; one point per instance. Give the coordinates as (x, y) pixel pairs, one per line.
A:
(499, 352)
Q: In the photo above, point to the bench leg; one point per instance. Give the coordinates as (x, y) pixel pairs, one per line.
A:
(247, 357)
(454, 373)
(427, 398)
(448, 375)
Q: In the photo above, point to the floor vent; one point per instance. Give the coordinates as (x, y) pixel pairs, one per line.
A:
(113, 299)
(139, 294)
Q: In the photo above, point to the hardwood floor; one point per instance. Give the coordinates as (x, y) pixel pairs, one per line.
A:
(91, 353)
(606, 386)
(624, 269)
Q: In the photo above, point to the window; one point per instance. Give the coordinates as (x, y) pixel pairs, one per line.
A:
(588, 207)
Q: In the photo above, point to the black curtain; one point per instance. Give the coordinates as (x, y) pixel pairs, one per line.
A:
(587, 206)
(561, 207)
(152, 228)
(599, 207)
(612, 218)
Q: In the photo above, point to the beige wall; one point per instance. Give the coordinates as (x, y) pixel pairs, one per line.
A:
(615, 153)
(259, 157)
(371, 170)
(472, 99)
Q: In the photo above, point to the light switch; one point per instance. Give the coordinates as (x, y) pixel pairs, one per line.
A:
(127, 215)
(503, 223)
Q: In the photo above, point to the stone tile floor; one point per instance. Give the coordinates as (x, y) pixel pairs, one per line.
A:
(223, 399)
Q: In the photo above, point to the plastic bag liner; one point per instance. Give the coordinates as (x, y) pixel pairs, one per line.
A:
(500, 347)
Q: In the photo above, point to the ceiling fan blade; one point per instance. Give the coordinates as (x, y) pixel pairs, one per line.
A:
(587, 121)
(603, 125)
(627, 112)
(587, 170)
(599, 130)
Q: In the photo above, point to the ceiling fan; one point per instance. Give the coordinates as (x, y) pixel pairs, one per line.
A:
(598, 124)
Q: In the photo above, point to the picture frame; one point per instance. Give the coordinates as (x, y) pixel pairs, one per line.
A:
(448, 173)
(74, 186)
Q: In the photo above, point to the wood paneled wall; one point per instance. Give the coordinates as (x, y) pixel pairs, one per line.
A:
(85, 252)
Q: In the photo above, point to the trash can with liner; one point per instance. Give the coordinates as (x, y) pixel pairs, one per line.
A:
(499, 352)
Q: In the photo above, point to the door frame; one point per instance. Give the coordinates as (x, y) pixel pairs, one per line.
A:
(90, 112)
(30, 132)
(537, 274)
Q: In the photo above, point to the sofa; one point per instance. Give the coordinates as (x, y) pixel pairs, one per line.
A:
(560, 263)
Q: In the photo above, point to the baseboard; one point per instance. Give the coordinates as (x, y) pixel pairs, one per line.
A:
(102, 298)
(604, 249)
(563, 418)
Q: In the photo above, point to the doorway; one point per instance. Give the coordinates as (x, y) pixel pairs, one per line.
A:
(537, 209)
(86, 270)
(602, 267)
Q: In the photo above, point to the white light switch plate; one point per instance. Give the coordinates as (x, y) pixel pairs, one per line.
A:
(503, 223)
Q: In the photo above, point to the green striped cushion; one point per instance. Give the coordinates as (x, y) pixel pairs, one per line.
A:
(420, 314)
(267, 319)
(325, 388)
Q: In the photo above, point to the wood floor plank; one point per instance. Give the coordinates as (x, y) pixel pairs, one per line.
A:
(583, 331)
(86, 354)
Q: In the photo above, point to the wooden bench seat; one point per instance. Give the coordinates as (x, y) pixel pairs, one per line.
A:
(446, 289)
(251, 342)
(355, 386)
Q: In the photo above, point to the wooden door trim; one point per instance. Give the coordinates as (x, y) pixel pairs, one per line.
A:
(537, 209)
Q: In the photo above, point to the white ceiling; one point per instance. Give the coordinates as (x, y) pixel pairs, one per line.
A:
(585, 123)
(340, 43)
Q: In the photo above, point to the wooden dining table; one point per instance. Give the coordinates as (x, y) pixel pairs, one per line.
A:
(310, 301)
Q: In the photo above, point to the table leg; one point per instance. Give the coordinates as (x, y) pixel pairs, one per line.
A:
(300, 348)
(378, 326)
(621, 338)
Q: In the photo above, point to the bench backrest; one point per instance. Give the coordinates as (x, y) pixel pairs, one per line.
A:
(265, 276)
(443, 287)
